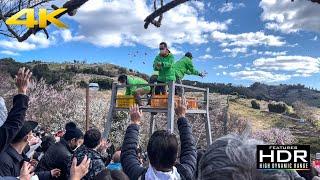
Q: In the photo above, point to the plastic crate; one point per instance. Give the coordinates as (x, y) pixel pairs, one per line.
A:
(124, 101)
(161, 101)
(192, 103)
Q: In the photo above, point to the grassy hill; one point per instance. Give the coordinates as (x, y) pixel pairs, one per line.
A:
(305, 133)
(286, 93)
(81, 73)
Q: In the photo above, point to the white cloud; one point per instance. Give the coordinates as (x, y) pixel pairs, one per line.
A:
(291, 17)
(222, 67)
(124, 25)
(67, 36)
(260, 76)
(208, 49)
(206, 56)
(34, 41)
(303, 65)
(235, 51)
(268, 53)
(227, 7)
(15, 45)
(237, 65)
(199, 5)
(176, 51)
(224, 73)
(247, 39)
(218, 74)
(10, 53)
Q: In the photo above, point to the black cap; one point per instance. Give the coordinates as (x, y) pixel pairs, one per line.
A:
(189, 55)
(26, 128)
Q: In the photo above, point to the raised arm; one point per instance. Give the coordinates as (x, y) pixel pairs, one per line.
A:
(191, 69)
(129, 158)
(17, 114)
(188, 155)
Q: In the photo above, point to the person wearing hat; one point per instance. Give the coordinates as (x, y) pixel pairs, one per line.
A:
(184, 67)
(12, 158)
(59, 155)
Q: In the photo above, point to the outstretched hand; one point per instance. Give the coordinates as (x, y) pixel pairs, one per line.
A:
(23, 79)
(181, 107)
(135, 115)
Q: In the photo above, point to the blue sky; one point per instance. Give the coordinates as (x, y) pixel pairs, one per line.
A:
(240, 42)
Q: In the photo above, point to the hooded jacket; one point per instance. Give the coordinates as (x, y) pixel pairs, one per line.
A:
(132, 80)
(188, 156)
(184, 67)
(166, 71)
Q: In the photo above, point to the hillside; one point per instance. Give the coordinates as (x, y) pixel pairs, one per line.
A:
(304, 133)
(78, 71)
(286, 93)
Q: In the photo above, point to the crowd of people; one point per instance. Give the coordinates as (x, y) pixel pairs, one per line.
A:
(28, 153)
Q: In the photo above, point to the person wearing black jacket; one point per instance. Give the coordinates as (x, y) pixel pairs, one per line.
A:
(59, 155)
(17, 114)
(16, 118)
(12, 158)
(162, 150)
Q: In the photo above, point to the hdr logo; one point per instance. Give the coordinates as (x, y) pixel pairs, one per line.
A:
(283, 157)
(27, 17)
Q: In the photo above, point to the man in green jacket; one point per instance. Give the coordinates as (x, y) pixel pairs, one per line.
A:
(164, 64)
(136, 91)
(184, 67)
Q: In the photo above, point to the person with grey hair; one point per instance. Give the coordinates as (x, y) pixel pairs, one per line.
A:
(233, 157)
(3, 111)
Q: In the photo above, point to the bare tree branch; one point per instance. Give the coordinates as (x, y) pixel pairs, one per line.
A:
(10, 13)
(71, 6)
(160, 11)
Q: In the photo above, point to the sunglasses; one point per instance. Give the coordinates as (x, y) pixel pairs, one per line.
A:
(162, 49)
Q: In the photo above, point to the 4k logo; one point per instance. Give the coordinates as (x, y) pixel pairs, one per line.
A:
(30, 21)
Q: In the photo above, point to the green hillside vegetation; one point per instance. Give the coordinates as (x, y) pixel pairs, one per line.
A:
(69, 71)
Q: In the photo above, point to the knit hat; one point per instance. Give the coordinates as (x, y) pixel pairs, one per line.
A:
(3, 111)
(72, 131)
